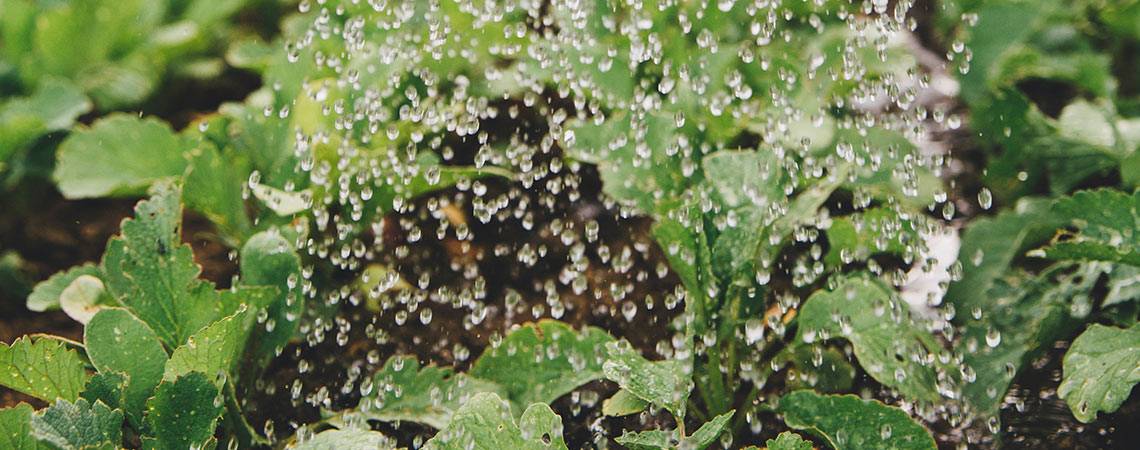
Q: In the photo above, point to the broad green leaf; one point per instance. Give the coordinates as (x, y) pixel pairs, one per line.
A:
(623, 403)
(888, 343)
(665, 440)
(79, 426)
(350, 439)
(663, 383)
(538, 363)
(1108, 221)
(788, 441)
(849, 422)
(53, 106)
(45, 296)
(485, 421)
(183, 413)
(269, 259)
(16, 429)
(119, 155)
(634, 159)
(1100, 368)
(150, 272)
(990, 245)
(403, 390)
(42, 368)
(213, 350)
(118, 342)
(1023, 315)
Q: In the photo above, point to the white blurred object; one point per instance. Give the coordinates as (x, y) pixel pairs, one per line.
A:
(924, 289)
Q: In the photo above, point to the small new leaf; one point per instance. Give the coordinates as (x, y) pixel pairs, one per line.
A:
(1100, 370)
(663, 383)
(788, 441)
(623, 403)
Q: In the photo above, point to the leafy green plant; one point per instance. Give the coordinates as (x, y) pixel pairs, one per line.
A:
(165, 346)
(787, 196)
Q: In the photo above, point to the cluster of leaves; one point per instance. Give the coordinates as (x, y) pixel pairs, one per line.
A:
(752, 160)
(163, 352)
(60, 60)
(1052, 98)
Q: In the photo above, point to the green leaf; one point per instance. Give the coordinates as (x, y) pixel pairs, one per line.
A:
(106, 387)
(663, 383)
(888, 342)
(538, 363)
(665, 440)
(1100, 370)
(46, 294)
(402, 390)
(848, 422)
(79, 426)
(150, 272)
(118, 342)
(822, 369)
(53, 106)
(213, 350)
(485, 421)
(120, 155)
(346, 440)
(16, 429)
(860, 235)
(788, 441)
(708, 432)
(214, 188)
(746, 178)
(44, 368)
(623, 403)
(269, 259)
(183, 413)
(633, 159)
(990, 245)
(1022, 316)
(1109, 227)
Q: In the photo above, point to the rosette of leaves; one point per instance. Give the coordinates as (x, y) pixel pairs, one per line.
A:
(166, 347)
